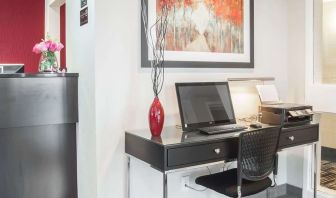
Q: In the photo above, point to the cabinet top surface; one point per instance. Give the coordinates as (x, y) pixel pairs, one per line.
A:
(286, 106)
(38, 75)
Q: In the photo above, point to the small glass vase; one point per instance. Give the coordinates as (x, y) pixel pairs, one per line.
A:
(48, 63)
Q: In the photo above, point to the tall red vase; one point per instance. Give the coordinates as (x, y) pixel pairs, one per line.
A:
(156, 117)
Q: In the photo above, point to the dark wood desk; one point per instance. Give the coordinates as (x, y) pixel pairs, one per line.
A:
(176, 149)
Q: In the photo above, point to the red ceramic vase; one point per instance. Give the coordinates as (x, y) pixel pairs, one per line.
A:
(156, 117)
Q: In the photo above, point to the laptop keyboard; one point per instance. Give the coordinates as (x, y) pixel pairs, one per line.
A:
(222, 129)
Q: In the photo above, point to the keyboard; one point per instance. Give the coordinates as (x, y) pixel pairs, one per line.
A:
(222, 129)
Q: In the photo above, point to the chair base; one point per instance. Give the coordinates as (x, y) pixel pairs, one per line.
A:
(226, 183)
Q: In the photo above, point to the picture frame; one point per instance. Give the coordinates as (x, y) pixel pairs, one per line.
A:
(191, 59)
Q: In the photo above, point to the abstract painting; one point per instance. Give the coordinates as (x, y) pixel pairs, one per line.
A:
(204, 25)
(205, 33)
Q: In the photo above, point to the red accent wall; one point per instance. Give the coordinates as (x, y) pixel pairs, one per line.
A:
(63, 34)
(21, 26)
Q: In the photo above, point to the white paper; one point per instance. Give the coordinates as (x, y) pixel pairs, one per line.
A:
(268, 94)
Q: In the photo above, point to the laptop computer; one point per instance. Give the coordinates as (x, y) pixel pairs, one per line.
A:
(206, 107)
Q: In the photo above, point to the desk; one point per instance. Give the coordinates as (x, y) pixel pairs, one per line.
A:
(176, 150)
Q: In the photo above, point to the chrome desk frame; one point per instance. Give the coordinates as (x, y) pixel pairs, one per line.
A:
(165, 174)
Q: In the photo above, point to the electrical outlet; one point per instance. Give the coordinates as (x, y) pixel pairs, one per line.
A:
(185, 181)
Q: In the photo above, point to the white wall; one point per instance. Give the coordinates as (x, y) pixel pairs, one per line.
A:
(80, 58)
(296, 51)
(296, 79)
(123, 90)
(52, 20)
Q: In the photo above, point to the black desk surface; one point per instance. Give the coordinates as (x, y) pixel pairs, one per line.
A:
(173, 135)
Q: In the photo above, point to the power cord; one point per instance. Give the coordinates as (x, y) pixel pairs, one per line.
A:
(249, 119)
(198, 190)
(192, 188)
(209, 170)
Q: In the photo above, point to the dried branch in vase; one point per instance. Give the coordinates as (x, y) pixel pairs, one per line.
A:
(156, 44)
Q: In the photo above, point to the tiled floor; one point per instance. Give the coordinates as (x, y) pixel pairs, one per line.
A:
(328, 174)
(288, 196)
(279, 192)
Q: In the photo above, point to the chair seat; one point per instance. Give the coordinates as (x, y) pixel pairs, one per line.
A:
(226, 183)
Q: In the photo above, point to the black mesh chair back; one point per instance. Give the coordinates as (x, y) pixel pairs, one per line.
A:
(257, 153)
(256, 161)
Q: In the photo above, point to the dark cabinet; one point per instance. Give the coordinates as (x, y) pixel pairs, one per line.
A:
(38, 118)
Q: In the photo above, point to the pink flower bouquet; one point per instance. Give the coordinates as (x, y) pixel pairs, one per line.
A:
(47, 49)
(47, 46)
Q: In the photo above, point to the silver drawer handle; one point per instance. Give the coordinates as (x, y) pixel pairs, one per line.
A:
(217, 151)
(292, 138)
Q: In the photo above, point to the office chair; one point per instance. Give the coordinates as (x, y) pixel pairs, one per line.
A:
(256, 161)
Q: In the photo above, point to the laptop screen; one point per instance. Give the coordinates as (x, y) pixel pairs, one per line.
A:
(204, 104)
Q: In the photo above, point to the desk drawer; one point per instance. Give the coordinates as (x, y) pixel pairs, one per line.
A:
(192, 155)
(292, 137)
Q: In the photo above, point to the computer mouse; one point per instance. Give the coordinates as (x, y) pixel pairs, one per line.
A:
(256, 125)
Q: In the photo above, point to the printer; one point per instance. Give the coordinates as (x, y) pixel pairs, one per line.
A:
(285, 114)
(273, 111)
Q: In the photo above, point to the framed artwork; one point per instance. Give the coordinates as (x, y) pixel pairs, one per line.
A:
(203, 33)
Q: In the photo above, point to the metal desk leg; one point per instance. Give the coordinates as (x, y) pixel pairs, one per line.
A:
(315, 170)
(165, 185)
(128, 177)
